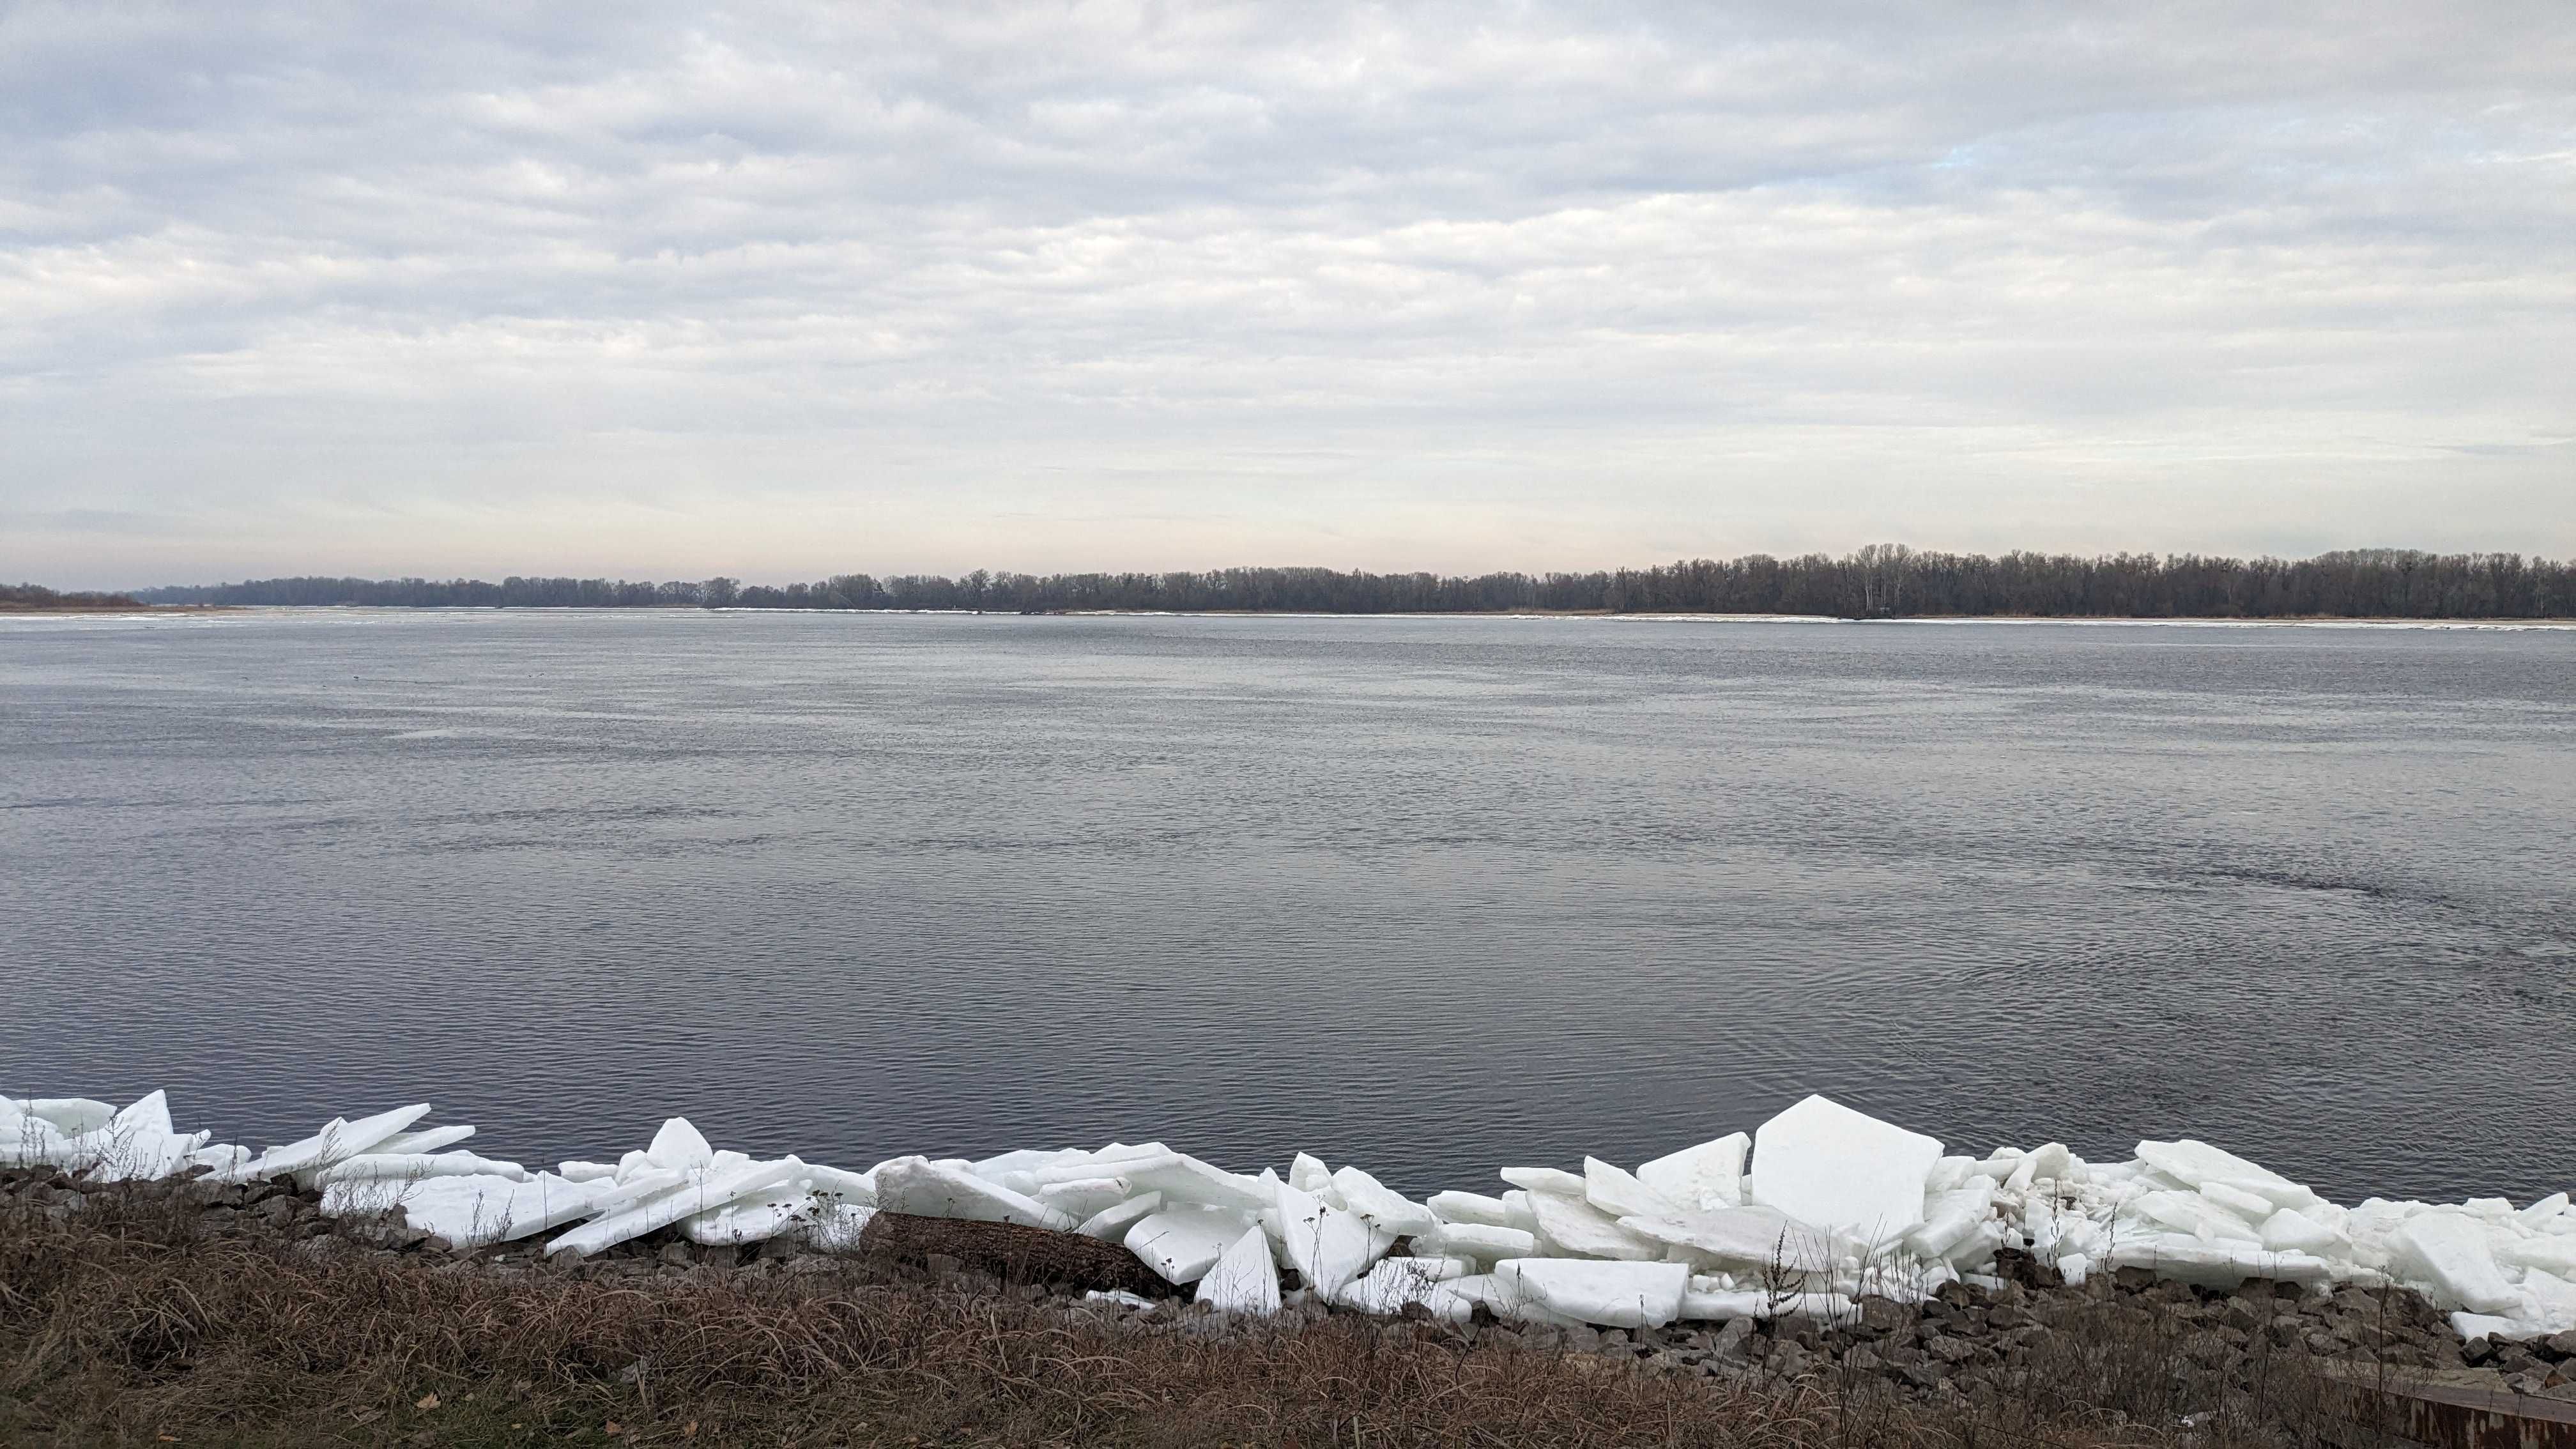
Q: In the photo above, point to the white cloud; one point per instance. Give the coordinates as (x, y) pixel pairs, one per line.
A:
(788, 288)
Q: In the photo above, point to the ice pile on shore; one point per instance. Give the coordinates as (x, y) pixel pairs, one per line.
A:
(1817, 1208)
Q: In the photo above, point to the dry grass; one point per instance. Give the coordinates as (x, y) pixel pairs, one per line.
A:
(122, 1324)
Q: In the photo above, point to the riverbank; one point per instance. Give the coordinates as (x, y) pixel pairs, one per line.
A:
(195, 1312)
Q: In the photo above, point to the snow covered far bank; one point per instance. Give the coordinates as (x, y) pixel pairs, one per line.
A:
(1813, 1210)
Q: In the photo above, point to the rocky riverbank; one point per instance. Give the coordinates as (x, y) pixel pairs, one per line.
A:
(2125, 1340)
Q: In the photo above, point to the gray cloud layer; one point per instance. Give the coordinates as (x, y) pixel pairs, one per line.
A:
(782, 288)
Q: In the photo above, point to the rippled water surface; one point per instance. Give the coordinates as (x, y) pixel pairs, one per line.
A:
(1430, 895)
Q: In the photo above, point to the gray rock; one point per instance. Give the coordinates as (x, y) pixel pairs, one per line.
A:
(1924, 1375)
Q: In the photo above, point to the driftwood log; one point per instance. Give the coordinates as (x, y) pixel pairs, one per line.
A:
(1012, 1253)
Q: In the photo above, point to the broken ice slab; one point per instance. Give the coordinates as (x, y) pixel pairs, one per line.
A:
(1723, 1304)
(1082, 1197)
(70, 1116)
(378, 1165)
(1469, 1207)
(1545, 1179)
(1574, 1226)
(2198, 1164)
(338, 1138)
(427, 1139)
(1395, 1282)
(2449, 1252)
(1111, 1223)
(1612, 1295)
(1618, 1193)
(1741, 1238)
(930, 1189)
(1182, 1243)
(1244, 1280)
(2550, 1252)
(1153, 1167)
(1710, 1175)
(471, 1211)
(2191, 1213)
(702, 1190)
(1481, 1241)
(2289, 1230)
(1844, 1171)
(2215, 1264)
(1389, 1211)
(680, 1144)
(1326, 1245)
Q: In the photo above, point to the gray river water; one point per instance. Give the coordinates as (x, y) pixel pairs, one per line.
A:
(1428, 895)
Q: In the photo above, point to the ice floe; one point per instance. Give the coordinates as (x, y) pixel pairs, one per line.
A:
(1832, 1206)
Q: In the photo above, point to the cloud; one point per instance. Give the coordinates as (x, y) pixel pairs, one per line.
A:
(786, 287)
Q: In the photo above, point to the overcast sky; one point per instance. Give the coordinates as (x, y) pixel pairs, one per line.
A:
(782, 290)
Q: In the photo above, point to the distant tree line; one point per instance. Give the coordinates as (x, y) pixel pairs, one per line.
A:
(37, 596)
(1883, 580)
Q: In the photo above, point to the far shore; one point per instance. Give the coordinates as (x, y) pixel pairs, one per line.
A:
(1643, 616)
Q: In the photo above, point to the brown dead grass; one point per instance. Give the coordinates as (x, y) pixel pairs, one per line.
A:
(123, 1324)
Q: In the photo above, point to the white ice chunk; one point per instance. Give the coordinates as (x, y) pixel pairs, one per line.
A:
(1086, 1196)
(2253, 1207)
(680, 1144)
(1390, 1211)
(1308, 1173)
(1244, 1279)
(1023, 1162)
(1327, 1246)
(701, 1190)
(1183, 1243)
(1395, 1282)
(70, 1116)
(382, 1165)
(428, 1139)
(1469, 1207)
(2215, 1264)
(338, 1138)
(2198, 1164)
(1950, 1217)
(930, 1189)
(1619, 1194)
(1616, 1295)
(2555, 1253)
(2074, 1268)
(1831, 1167)
(1110, 1224)
(1742, 1237)
(1179, 1178)
(471, 1211)
(828, 1207)
(2492, 1326)
(2189, 1212)
(1576, 1227)
(2290, 1230)
(2542, 1211)
(587, 1171)
(1720, 1305)
(1700, 1178)
(2447, 1252)
(1544, 1179)
(1484, 1242)
(2048, 1162)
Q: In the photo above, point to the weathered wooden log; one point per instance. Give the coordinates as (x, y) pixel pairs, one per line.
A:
(1012, 1253)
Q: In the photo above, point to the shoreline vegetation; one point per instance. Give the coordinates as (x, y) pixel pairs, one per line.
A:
(1883, 581)
(37, 599)
(189, 1311)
